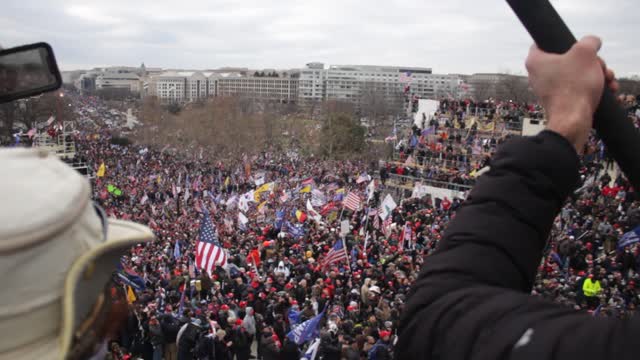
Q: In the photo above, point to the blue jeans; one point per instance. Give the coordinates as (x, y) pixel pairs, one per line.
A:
(157, 352)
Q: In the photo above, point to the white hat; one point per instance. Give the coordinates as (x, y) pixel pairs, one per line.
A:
(56, 251)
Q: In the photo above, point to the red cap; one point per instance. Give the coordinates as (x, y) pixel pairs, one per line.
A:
(224, 307)
(238, 321)
(243, 304)
(384, 333)
(590, 276)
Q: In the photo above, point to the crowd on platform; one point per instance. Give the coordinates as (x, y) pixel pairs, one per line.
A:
(296, 280)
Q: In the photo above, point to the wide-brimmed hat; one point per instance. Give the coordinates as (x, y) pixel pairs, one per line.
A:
(57, 253)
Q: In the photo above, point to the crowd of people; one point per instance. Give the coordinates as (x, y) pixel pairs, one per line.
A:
(280, 220)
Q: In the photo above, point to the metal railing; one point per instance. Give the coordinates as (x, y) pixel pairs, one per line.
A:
(407, 182)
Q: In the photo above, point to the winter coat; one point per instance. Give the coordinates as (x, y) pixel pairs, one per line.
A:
(270, 350)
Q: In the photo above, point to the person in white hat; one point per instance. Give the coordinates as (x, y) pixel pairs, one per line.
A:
(57, 254)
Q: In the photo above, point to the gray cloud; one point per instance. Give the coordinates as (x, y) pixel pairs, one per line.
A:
(454, 36)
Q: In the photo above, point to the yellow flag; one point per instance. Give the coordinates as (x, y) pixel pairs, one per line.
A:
(131, 296)
(340, 191)
(159, 179)
(306, 189)
(101, 170)
(227, 181)
(260, 190)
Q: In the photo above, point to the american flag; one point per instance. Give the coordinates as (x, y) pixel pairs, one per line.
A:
(352, 202)
(308, 181)
(209, 253)
(376, 222)
(362, 178)
(405, 77)
(386, 225)
(337, 253)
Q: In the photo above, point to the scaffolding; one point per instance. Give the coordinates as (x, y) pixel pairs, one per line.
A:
(63, 145)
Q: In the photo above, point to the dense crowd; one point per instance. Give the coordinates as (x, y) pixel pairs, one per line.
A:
(278, 241)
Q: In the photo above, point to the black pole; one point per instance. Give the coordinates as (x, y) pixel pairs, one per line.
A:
(551, 34)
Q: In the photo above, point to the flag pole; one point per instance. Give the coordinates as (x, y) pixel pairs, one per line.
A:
(342, 211)
(344, 247)
(366, 228)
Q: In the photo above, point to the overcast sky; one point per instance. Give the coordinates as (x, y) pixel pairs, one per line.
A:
(450, 36)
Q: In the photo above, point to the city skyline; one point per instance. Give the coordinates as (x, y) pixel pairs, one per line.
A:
(459, 36)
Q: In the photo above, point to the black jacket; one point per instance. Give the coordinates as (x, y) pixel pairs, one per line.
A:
(471, 300)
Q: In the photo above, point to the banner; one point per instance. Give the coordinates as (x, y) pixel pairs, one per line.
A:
(387, 207)
(306, 331)
(629, 238)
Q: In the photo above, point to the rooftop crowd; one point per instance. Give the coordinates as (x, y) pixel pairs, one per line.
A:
(277, 242)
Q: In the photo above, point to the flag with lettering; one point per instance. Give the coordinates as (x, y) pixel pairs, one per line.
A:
(306, 331)
(629, 238)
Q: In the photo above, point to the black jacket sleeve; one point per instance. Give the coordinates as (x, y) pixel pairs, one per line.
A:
(471, 300)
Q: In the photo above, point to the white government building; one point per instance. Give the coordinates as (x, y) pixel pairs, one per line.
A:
(346, 82)
(314, 83)
(181, 86)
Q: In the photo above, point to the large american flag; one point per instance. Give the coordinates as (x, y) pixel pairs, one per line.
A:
(209, 253)
(352, 201)
(337, 253)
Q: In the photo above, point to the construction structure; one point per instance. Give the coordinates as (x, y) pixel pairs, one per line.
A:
(62, 145)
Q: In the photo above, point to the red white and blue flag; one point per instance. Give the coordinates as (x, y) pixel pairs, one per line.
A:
(209, 253)
(337, 253)
(352, 201)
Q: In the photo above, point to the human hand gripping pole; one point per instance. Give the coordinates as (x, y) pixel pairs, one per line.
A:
(552, 35)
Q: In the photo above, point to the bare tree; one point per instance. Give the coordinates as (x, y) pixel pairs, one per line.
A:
(629, 86)
(482, 91)
(513, 87)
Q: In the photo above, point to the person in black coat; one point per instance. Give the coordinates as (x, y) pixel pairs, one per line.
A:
(221, 346)
(290, 351)
(472, 298)
(269, 348)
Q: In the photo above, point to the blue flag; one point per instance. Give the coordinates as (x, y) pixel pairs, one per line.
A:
(307, 330)
(294, 317)
(629, 238)
(181, 307)
(176, 250)
(296, 231)
(279, 219)
(131, 278)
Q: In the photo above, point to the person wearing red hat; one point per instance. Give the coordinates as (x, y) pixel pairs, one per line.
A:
(381, 349)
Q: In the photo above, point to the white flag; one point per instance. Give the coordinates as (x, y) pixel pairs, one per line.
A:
(312, 350)
(371, 189)
(387, 207)
(242, 219)
(344, 227)
(313, 213)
